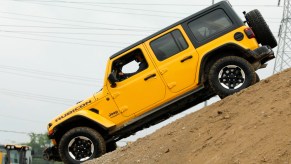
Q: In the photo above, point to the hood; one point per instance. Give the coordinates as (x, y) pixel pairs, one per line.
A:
(71, 111)
(74, 110)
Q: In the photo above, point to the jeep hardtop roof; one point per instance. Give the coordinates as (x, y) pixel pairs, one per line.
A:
(223, 4)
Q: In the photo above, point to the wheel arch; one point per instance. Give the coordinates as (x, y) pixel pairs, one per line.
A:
(77, 121)
(230, 49)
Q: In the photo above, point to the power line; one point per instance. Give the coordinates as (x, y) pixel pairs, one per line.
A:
(76, 21)
(18, 118)
(74, 77)
(110, 3)
(78, 26)
(51, 79)
(94, 10)
(136, 4)
(53, 41)
(11, 131)
(55, 77)
(75, 28)
(37, 97)
(22, 93)
(73, 33)
(60, 37)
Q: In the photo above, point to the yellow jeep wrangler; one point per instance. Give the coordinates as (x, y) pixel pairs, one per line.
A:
(212, 52)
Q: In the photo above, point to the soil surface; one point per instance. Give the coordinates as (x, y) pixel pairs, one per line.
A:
(252, 126)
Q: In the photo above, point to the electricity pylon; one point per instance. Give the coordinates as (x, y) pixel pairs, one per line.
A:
(283, 58)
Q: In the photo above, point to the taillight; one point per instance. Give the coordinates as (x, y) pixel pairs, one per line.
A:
(249, 32)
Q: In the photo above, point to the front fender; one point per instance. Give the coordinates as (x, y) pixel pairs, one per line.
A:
(89, 118)
(94, 116)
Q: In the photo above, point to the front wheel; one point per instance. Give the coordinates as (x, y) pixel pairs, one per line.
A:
(81, 144)
(231, 74)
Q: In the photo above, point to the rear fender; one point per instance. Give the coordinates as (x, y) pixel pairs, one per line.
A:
(224, 50)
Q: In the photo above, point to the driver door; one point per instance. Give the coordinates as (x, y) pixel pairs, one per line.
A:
(139, 92)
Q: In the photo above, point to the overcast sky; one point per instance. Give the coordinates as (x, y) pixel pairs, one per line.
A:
(53, 53)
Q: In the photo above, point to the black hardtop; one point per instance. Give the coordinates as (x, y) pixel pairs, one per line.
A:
(221, 4)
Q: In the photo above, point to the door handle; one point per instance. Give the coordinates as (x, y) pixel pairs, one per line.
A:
(150, 76)
(186, 58)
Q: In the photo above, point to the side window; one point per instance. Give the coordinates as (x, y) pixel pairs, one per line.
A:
(129, 65)
(168, 45)
(210, 24)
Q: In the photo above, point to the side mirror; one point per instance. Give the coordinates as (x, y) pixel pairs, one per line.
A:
(112, 79)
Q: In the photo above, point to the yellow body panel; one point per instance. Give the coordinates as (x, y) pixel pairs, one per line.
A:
(2, 158)
(118, 105)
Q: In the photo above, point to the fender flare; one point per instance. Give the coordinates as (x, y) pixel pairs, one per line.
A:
(92, 115)
(213, 55)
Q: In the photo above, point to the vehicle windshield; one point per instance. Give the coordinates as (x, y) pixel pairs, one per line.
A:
(14, 157)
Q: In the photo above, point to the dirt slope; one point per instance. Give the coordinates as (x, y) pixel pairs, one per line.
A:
(253, 126)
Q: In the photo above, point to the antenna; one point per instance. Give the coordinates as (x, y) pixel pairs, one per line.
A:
(283, 58)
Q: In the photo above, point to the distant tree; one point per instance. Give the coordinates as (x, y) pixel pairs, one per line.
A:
(38, 142)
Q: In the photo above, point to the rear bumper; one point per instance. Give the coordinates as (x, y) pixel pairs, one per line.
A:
(263, 54)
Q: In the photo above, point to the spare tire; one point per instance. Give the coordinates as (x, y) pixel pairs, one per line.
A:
(262, 31)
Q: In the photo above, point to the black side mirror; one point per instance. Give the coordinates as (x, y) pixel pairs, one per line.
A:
(112, 79)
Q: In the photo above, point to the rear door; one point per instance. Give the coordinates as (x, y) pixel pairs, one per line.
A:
(175, 57)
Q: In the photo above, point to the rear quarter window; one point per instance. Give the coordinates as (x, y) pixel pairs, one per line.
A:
(209, 25)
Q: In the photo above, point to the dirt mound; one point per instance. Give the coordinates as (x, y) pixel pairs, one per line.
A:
(252, 126)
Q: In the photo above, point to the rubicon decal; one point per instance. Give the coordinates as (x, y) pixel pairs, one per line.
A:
(73, 111)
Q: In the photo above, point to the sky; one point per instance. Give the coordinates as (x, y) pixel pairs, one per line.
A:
(53, 53)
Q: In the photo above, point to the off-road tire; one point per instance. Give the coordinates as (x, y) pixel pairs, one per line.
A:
(78, 138)
(237, 72)
(111, 147)
(257, 78)
(262, 31)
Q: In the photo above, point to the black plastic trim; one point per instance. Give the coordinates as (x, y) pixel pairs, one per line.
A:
(73, 119)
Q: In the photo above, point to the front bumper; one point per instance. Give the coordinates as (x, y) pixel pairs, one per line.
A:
(51, 154)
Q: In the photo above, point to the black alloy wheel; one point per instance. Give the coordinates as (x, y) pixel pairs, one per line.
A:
(231, 74)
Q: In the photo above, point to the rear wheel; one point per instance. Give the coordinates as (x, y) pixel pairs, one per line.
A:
(81, 144)
(262, 31)
(231, 74)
